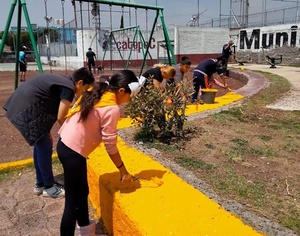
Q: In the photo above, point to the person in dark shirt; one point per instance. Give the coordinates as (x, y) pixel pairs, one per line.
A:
(90, 59)
(159, 74)
(34, 107)
(226, 53)
(181, 68)
(203, 77)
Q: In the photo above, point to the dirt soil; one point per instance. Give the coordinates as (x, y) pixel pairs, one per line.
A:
(211, 143)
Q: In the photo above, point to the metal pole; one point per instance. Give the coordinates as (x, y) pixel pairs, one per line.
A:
(297, 12)
(18, 43)
(82, 41)
(220, 14)
(265, 15)
(12, 8)
(31, 36)
(64, 32)
(198, 22)
(230, 14)
(262, 12)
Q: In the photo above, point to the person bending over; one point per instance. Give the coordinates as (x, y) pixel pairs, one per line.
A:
(92, 120)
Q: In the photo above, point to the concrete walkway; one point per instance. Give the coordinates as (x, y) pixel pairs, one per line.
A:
(156, 206)
(291, 101)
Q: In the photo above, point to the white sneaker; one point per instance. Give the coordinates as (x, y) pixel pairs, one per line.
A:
(54, 192)
(38, 190)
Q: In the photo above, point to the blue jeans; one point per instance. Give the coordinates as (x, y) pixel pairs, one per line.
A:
(198, 82)
(42, 156)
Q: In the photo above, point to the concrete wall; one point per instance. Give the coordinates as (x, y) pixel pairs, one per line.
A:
(196, 43)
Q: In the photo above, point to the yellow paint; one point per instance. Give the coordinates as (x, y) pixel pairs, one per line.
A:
(16, 164)
(219, 101)
(210, 90)
(159, 203)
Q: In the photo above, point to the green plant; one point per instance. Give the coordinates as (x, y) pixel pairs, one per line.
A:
(159, 113)
(265, 137)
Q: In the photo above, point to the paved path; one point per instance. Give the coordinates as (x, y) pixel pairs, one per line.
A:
(23, 214)
(291, 101)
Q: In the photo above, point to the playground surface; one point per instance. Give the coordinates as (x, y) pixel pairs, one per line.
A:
(31, 214)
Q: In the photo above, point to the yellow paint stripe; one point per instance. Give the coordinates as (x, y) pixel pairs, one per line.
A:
(219, 102)
(20, 163)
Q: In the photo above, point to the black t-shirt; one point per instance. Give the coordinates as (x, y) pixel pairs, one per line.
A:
(48, 88)
(33, 106)
(226, 52)
(154, 73)
(90, 55)
(208, 66)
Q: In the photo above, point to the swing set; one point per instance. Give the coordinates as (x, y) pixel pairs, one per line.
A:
(143, 43)
(132, 43)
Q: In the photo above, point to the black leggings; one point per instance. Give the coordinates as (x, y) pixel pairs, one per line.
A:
(76, 190)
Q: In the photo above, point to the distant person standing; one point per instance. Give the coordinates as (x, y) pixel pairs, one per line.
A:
(90, 59)
(22, 63)
(226, 53)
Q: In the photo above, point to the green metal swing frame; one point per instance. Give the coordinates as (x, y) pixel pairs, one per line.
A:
(22, 6)
(112, 40)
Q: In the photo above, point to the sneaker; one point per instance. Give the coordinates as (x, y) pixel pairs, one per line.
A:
(38, 190)
(201, 101)
(54, 192)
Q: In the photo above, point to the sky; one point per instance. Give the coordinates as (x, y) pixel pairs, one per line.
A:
(176, 12)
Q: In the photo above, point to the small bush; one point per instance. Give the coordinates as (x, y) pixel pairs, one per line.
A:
(159, 112)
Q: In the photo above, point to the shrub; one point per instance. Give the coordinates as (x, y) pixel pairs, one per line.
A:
(158, 112)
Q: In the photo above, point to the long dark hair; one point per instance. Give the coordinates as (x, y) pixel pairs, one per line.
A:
(83, 74)
(89, 98)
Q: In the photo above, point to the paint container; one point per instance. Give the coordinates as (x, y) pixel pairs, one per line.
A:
(208, 95)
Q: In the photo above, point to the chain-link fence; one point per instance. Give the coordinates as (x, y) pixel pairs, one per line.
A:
(58, 41)
(271, 17)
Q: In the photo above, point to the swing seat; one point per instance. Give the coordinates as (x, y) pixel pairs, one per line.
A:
(273, 61)
(242, 62)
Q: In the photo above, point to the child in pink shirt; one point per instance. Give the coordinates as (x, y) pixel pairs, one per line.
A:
(92, 120)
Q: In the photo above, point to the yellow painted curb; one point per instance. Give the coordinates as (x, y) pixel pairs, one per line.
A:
(160, 203)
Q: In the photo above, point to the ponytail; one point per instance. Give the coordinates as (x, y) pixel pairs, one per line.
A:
(90, 98)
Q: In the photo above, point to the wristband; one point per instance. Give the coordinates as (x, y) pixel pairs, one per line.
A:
(120, 165)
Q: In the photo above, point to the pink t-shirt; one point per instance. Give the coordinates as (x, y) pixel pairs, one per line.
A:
(84, 138)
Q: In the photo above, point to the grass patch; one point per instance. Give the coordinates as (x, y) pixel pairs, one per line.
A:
(292, 219)
(232, 183)
(12, 172)
(170, 148)
(265, 138)
(232, 115)
(193, 163)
